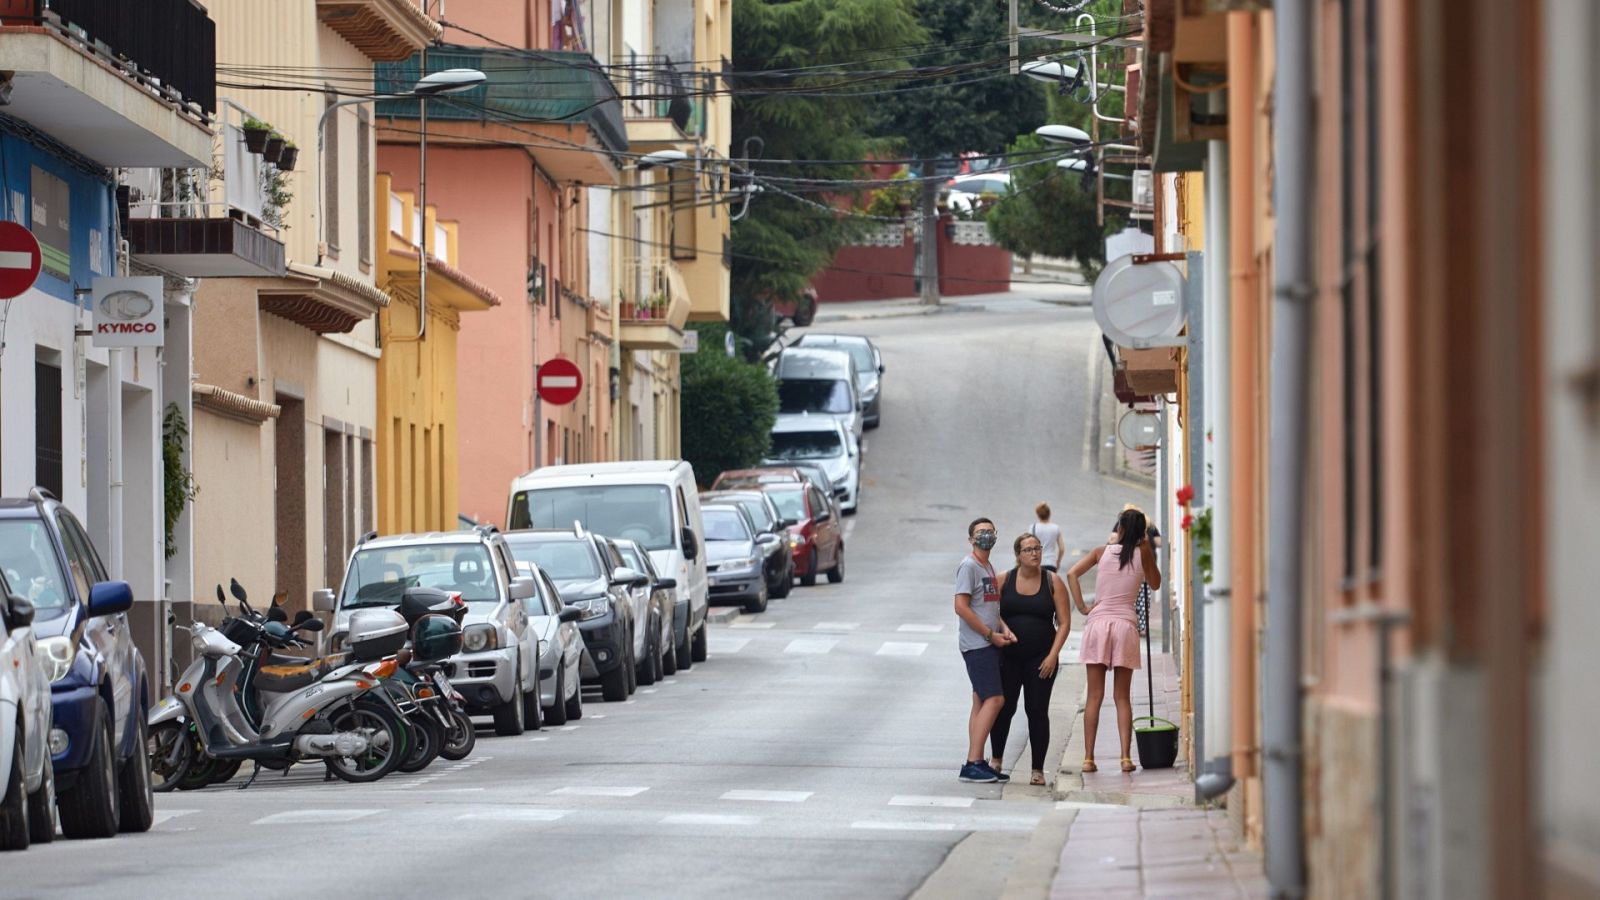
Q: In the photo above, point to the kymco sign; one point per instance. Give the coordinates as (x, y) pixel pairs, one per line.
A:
(128, 312)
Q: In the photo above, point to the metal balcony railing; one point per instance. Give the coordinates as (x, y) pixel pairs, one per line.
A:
(660, 88)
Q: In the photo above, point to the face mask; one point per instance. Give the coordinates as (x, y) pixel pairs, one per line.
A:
(984, 540)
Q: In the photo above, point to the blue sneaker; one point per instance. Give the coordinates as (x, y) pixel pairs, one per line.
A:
(998, 775)
(978, 773)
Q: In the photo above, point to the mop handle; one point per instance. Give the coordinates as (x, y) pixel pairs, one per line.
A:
(1149, 662)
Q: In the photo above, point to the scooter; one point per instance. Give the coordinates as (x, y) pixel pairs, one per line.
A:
(345, 718)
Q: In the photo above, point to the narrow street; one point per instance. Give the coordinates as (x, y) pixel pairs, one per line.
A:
(814, 753)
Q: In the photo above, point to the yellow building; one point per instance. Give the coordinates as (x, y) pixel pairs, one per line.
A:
(417, 461)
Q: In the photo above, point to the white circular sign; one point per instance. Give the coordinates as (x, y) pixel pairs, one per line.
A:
(1139, 430)
(1139, 306)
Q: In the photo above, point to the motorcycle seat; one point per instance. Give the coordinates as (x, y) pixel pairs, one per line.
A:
(278, 679)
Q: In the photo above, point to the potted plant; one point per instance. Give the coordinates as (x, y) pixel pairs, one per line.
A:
(658, 306)
(287, 157)
(256, 133)
(274, 148)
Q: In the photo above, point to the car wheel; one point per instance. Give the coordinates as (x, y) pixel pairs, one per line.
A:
(614, 684)
(532, 709)
(669, 662)
(836, 574)
(137, 800)
(42, 807)
(508, 716)
(631, 668)
(699, 650)
(759, 604)
(89, 810)
(650, 669)
(574, 706)
(14, 830)
(785, 583)
(809, 579)
(686, 646)
(556, 714)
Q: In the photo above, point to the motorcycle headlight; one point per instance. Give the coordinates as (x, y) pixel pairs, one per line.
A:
(59, 653)
(480, 637)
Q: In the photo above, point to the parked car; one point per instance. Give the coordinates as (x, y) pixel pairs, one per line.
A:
(825, 442)
(662, 594)
(653, 502)
(869, 368)
(560, 646)
(778, 561)
(99, 690)
(27, 779)
(970, 193)
(759, 476)
(814, 535)
(587, 573)
(821, 382)
(734, 557)
(498, 669)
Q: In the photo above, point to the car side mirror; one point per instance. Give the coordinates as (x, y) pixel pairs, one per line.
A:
(766, 537)
(666, 584)
(880, 368)
(19, 611)
(570, 614)
(523, 588)
(109, 598)
(824, 516)
(691, 546)
(322, 600)
(629, 577)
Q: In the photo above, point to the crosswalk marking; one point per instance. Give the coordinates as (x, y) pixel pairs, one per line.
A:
(308, 816)
(923, 800)
(921, 629)
(901, 648)
(515, 814)
(709, 819)
(167, 815)
(596, 716)
(903, 825)
(836, 626)
(749, 624)
(599, 791)
(573, 727)
(769, 796)
(647, 690)
(726, 645)
(810, 645)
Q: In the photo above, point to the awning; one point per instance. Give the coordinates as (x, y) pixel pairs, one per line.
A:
(322, 300)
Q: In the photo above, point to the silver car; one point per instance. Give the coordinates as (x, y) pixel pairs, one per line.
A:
(560, 648)
(661, 607)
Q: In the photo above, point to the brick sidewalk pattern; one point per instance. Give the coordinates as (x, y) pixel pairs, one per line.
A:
(1112, 854)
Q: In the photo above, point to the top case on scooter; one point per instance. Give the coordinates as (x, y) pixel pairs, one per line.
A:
(376, 633)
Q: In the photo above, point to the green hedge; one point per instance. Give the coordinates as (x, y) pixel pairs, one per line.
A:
(729, 406)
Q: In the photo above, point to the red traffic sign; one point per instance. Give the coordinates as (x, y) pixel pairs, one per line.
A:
(559, 381)
(19, 260)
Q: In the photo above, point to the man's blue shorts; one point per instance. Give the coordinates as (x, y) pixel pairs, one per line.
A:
(983, 669)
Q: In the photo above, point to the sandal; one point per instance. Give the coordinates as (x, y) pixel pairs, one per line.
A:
(1127, 764)
(1037, 779)
(1088, 765)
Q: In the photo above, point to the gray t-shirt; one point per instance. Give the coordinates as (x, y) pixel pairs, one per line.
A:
(1047, 533)
(978, 580)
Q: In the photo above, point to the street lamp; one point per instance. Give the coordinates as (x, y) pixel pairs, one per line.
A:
(661, 158)
(447, 81)
(1062, 134)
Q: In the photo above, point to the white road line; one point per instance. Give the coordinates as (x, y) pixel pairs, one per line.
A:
(769, 796)
(571, 727)
(597, 715)
(726, 645)
(540, 738)
(167, 815)
(746, 623)
(923, 800)
(709, 819)
(810, 645)
(836, 626)
(669, 681)
(311, 816)
(922, 629)
(907, 825)
(599, 791)
(849, 528)
(901, 648)
(516, 814)
(647, 690)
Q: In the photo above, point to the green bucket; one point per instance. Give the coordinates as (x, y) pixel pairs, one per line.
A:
(1158, 743)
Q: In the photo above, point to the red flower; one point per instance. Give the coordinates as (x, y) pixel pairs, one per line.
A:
(1187, 521)
(1185, 495)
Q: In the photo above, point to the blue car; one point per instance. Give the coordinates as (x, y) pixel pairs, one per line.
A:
(99, 691)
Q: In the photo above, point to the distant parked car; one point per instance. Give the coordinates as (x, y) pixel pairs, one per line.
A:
(760, 476)
(560, 647)
(100, 694)
(663, 607)
(27, 779)
(869, 368)
(821, 382)
(825, 442)
(733, 558)
(814, 534)
(770, 534)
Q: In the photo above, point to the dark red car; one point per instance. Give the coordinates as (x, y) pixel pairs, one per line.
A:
(813, 522)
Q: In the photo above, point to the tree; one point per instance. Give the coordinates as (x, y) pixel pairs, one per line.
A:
(1048, 213)
(729, 406)
(820, 113)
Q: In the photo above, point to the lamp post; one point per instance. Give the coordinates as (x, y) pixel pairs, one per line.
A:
(449, 81)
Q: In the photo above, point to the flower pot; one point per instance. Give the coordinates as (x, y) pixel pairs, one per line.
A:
(274, 148)
(255, 139)
(287, 158)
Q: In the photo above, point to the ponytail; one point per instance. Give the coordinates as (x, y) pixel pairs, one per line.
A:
(1130, 532)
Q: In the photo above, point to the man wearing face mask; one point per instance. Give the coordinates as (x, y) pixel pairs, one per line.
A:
(980, 636)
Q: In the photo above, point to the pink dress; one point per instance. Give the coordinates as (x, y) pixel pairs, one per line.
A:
(1111, 632)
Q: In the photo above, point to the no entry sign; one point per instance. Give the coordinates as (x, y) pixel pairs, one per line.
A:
(19, 260)
(559, 381)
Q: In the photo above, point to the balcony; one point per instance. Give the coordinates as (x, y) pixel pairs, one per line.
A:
(127, 85)
(559, 104)
(654, 317)
(662, 110)
(385, 30)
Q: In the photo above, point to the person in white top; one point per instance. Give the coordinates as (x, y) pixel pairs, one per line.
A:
(1049, 534)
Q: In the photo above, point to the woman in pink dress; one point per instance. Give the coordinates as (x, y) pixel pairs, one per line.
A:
(1111, 628)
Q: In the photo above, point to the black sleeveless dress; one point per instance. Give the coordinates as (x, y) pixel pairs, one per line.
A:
(1032, 618)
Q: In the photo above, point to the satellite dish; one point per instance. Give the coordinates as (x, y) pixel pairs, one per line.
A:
(1139, 429)
(1140, 306)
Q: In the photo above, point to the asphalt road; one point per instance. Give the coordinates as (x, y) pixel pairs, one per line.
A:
(813, 755)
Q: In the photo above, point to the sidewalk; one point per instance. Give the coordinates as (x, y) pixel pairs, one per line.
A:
(855, 310)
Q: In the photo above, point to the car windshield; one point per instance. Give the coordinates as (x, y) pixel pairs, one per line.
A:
(791, 502)
(638, 512)
(29, 560)
(813, 395)
(981, 186)
(563, 560)
(858, 350)
(725, 525)
(378, 576)
(756, 509)
(806, 445)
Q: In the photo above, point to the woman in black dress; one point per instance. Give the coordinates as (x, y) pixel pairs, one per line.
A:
(1033, 602)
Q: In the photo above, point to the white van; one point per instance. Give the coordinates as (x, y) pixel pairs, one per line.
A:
(654, 502)
(819, 381)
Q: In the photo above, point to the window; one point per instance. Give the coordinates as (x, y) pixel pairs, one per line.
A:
(80, 561)
(680, 194)
(50, 220)
(637, 512)
(364, 187)
(47, 426)
(725, 525)
(562, 560)
(330, 164)
(809, 395)
(29, 559)
(796, 445)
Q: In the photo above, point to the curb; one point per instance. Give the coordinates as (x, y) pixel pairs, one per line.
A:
(722, 615)
(881, 314)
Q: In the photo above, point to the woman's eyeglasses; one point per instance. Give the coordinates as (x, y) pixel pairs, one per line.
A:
(1032, 550)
